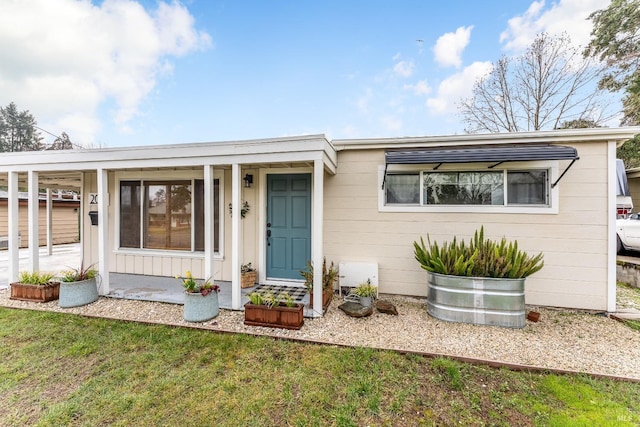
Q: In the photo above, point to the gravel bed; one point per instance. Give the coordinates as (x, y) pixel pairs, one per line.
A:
(562, 339)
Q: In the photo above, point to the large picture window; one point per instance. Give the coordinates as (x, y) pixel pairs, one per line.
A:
(166, 215)
(454, 188)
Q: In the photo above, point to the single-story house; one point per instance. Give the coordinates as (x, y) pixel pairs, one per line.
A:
(162, 210)
(59, 219)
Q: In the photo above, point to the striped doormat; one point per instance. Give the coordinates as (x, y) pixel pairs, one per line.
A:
(296, 292)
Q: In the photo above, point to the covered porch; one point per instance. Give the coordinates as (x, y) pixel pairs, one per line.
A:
(229, 173)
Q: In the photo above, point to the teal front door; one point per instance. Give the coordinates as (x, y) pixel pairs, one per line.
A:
(288, 225)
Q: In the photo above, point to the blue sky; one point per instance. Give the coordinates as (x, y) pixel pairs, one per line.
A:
(123, 73)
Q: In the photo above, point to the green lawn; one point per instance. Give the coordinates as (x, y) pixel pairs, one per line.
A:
(60, 369)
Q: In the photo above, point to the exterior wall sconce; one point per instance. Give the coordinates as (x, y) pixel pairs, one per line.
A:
(248, 180)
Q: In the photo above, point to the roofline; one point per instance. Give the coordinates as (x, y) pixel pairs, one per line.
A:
(290, 148)
(553, 136)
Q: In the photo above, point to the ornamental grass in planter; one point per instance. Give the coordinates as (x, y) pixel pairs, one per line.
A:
(267, 309)
(329, 279)
(481, 282)
(35, 286)
(78, 287)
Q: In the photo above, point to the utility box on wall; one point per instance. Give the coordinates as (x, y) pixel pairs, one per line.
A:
(353, 273)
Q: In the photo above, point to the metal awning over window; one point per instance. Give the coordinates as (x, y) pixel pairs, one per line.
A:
(485, 154)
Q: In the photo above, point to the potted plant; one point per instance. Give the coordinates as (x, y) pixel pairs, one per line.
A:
(78, 286)
(366, 292)
(35, 286)
(267, 309)
(248, 276)
(200, 299)
(480, 283)
(329, 278)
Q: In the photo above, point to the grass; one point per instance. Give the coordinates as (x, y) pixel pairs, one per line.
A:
(59, 369)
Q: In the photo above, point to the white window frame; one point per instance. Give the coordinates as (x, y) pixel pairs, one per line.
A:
(190, 175)
(553, 192)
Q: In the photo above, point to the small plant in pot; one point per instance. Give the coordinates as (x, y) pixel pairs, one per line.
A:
(35, 286)
(480, 282)
(248, 276)
(78, 286)
(366, 292)
(329, 279)
(200, 298)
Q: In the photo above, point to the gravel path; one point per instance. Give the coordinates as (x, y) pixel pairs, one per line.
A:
(562, 339)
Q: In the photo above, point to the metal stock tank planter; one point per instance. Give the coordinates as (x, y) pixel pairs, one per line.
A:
(200, 299)
(78, 287)
(480, 283)
(478, 300)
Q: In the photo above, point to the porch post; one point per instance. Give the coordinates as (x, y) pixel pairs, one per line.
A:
(32, 215)
(236, 295)
(317, 243)
(49, 223)
(209, 229)
(12, 226)
(103, 229)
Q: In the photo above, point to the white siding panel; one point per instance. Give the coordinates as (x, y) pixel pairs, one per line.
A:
(574, 241)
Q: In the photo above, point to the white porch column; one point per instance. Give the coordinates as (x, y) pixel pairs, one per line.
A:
(316, 238)
(34, 228)
(12, 226)
(236, 238)
(209, 229)
(103, 229)
(49, 223)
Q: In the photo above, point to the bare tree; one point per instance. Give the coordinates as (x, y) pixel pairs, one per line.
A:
(549, 84)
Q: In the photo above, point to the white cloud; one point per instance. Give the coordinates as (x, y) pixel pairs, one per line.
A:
(365, 100)
(568, 16)
(457, 86)
(449, 47)
(63, 59)
(404, 68)
(391, 123)
(421, 88)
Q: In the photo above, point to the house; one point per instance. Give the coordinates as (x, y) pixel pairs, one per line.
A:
(162, 210)
(59, 219)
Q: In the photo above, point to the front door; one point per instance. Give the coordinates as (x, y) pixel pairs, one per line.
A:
(288, 225)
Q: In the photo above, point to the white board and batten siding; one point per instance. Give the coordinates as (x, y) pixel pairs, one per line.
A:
(573, 240)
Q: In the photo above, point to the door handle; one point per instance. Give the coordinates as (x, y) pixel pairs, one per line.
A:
(268, 237)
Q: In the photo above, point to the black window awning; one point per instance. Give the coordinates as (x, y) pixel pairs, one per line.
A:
(482, 154)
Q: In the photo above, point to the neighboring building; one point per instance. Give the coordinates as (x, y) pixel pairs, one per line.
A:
(65, 224)
(355, 201)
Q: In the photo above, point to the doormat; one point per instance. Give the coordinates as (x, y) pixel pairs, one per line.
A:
(296, 292)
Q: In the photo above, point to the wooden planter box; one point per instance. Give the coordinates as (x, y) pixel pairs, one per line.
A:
(36, 293)
(248, 280)
(279, 316)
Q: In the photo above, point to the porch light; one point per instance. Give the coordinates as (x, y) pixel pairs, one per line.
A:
(248, 180)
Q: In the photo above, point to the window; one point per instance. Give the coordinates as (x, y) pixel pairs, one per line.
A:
(403, 188)
(493, 187)
(166, 215)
